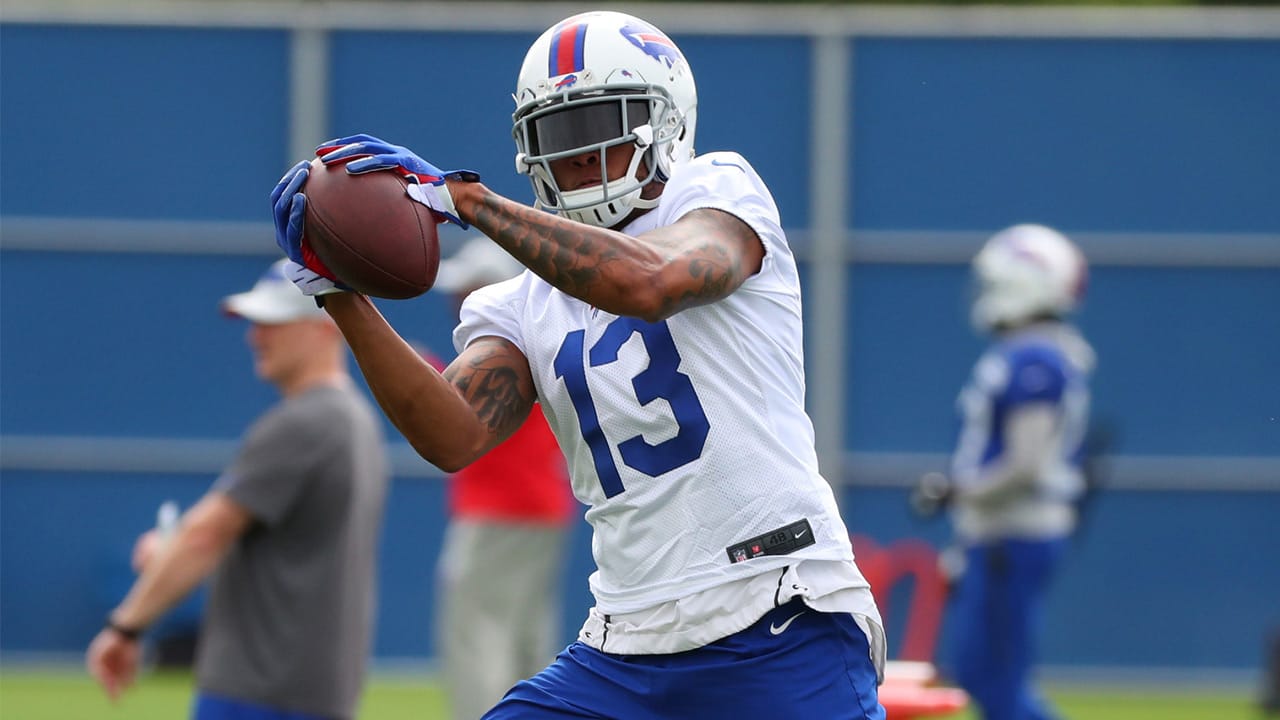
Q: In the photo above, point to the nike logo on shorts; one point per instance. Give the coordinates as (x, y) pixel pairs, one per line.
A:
(779, 629)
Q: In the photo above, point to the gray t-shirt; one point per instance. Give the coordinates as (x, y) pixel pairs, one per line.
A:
(290, 610)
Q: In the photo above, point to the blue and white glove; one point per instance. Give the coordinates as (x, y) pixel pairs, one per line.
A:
(289, 210)
(311, 282)
(427, 182)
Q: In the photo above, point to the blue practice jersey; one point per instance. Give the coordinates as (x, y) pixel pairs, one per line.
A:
(1041, 369)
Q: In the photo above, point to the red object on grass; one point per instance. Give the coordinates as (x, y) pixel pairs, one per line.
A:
(910, 690)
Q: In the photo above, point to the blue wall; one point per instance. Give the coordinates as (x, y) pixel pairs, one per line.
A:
(1187, 356)
(1174, 579)
(141, 122)
(958, 135)
(1117, 135)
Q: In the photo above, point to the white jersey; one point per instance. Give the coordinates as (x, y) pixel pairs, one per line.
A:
(687, 439)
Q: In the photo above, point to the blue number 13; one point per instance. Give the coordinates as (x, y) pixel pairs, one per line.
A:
(661, 380)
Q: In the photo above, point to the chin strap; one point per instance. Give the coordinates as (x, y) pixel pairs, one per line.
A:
(644, 204)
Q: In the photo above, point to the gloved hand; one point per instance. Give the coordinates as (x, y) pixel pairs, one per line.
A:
(289, 209)
(427, 182)
(931, 494)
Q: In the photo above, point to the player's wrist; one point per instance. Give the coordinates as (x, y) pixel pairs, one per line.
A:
(465, 194)
(342, 305)
(132, 633)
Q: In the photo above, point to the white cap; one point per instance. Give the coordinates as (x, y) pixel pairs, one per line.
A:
(274, 299)
(480, 261)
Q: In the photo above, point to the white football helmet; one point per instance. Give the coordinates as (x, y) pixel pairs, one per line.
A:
(598, 82)
(1024, 272)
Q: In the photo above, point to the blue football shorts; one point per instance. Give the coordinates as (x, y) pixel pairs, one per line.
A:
(795, 660)
(213, 707)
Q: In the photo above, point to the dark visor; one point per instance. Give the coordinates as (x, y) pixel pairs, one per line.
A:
(586, 124)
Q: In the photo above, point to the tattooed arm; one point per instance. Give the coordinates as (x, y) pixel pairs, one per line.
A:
(450, 419)
(701, 258)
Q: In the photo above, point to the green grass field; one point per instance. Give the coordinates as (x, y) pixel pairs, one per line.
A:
(69, 695)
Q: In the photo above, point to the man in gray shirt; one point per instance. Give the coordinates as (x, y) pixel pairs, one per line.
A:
(287, 537)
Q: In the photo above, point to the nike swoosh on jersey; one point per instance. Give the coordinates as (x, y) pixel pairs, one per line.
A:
(728, 164)
(779, 629)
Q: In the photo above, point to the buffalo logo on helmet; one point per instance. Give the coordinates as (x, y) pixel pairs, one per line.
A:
(654, 44)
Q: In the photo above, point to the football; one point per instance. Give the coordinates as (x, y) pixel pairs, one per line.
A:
(368, 231)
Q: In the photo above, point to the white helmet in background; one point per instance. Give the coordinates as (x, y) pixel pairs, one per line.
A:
(1024, 272)
(599, 82)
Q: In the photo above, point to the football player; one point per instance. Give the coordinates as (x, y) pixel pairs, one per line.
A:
(1017, 471)
(658, 323)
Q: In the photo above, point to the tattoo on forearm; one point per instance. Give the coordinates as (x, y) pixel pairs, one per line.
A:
(576, 258)
(563, 252)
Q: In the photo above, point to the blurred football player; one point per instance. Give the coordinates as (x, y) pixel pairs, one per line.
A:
(1017, 471)
(658, 323)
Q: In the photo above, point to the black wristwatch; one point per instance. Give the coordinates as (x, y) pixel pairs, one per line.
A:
(128, 633)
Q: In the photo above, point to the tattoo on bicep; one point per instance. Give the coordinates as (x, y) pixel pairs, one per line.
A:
(493, 391)
(715, 269)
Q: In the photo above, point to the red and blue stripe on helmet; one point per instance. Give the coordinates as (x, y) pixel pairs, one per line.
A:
(567, 42)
